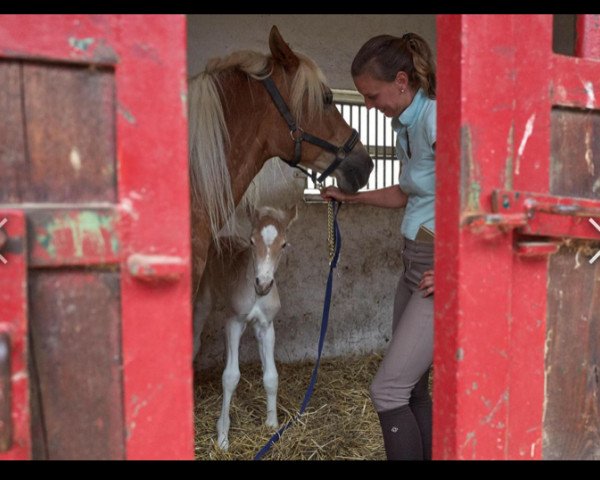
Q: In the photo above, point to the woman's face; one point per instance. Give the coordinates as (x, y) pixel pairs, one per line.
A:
(390, 98)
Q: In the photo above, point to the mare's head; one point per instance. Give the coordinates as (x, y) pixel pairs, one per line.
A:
(248, 107)
(321, 135)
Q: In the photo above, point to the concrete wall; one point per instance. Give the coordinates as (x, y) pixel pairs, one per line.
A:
(330, 40)
(370, 260)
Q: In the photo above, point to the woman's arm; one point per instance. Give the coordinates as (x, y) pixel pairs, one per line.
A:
(389, 197)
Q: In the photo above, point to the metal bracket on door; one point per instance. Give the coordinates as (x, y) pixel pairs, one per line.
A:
(156, 268)
(548, 219)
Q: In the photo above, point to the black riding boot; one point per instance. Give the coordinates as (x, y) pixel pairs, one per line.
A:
(420, 404)
(401, 435)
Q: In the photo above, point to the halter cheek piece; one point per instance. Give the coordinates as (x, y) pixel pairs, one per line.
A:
(298, 136)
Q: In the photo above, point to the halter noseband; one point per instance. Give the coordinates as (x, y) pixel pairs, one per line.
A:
(298, 136)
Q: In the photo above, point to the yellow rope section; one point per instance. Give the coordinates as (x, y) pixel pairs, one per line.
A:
(330, 232)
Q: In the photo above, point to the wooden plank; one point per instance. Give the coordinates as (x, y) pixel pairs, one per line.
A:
(157, 343)
(489, 360)
(13, 322)
(72, 236)
(65, 38)
(575, 81)
(75, 331)
(147, 54)
(13, 163)
(70, 122)
(528, 154)
(575, 157)
(588, 36)
(572, 414)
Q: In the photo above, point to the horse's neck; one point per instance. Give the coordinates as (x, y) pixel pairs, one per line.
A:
(246, 102)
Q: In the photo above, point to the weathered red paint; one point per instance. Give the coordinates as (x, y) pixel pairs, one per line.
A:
(73, 237)
(546, 215)
(471, 345)
(147, 53)
(13, 298)
(588, 36)
(572, 80)
(498, 80)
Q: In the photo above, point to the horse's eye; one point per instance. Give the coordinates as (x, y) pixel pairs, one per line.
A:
(252, 241)
(285, 244)
(328, 97)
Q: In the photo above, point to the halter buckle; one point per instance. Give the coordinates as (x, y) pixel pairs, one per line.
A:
(299, 137)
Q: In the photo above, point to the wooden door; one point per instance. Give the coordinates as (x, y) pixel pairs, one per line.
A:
(95, 290)
(517, 349)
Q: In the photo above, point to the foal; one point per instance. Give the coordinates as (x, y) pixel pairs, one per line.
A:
(242, 276)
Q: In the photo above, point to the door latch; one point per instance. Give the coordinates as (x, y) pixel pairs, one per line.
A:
(541, 221)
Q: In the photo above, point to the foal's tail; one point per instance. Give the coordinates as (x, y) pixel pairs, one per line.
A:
(209, 140)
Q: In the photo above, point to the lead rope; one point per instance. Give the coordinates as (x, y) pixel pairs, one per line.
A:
(334, 244)
(330, 230)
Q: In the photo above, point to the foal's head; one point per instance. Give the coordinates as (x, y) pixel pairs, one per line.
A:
(268, 240)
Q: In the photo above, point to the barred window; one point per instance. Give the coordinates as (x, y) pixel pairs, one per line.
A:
(376, 135)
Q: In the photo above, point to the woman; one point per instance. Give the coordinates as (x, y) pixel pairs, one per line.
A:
(397, 77)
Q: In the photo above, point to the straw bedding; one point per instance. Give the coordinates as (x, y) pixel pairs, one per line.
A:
(339, 423)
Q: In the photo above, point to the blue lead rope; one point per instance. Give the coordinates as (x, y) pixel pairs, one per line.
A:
(313, 379)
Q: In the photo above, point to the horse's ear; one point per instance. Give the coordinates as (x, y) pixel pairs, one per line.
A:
(281, 51)
(292, 215)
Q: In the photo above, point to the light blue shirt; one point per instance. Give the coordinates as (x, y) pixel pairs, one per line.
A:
(417, 173)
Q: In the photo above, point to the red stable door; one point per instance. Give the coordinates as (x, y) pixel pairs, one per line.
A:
(95, 317)
(517, 349)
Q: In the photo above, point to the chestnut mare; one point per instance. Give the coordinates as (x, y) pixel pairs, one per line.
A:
(247, 108)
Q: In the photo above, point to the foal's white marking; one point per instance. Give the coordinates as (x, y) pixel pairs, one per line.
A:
(269, 234)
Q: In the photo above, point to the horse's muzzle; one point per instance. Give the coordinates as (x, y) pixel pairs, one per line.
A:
(262, 289)
(355, 170)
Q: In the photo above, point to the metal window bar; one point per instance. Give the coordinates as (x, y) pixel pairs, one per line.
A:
(376, 135)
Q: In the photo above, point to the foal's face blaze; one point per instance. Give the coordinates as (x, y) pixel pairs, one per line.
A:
(268, 241)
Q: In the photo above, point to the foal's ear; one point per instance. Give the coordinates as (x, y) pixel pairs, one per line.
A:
(291, 215)
(281, 51)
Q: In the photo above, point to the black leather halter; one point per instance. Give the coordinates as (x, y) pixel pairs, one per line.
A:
(298, 136)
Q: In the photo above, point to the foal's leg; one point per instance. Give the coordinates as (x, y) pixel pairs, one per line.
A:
(231, 376)
(265, 335)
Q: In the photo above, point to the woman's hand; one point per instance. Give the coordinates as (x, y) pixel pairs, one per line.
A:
(426, 283)
(334, 193)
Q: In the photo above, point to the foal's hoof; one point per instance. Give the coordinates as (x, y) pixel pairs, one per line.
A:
(223, 443)
(272, 422)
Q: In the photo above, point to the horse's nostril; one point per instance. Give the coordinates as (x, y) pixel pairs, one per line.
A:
(256, 281)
